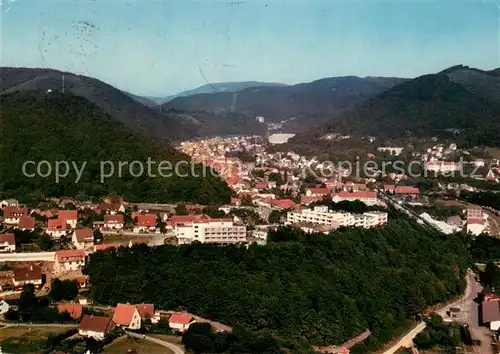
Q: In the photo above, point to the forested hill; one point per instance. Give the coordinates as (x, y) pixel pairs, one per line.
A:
(460, 98)
(314, 289)
(37, 126)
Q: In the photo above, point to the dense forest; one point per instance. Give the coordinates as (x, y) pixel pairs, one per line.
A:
(487, 199)
(51, 127)
(307, 288)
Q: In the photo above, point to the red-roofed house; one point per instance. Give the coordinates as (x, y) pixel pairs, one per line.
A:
(148, 311)
(83, 238)
(11, 214)
(317, 192)
(105, 247)
(261, 186)
(74, 310)
(407, 190)
(29, 275)
(95, 327)
(56, 228)
(145, 223)
(389, 188)
(127, 315)
(180, 322)
(369, 198)
(113, 221)
(111, 208)
(70, 217)
(26, 223)
(69, 260)
(7, 243)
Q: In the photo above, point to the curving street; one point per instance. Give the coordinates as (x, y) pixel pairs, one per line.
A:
(176, 349)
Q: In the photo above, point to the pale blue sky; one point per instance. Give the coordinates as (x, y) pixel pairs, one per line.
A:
(162, 47)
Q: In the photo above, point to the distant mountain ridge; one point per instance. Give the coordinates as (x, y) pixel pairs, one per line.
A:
(460, 98)
(317, 100)
(214, 88)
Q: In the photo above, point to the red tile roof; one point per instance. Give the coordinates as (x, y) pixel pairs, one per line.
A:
(113, 219)
(14, 212)
(283, 203)
(28, 273)
(105, 247)
(148, 220)
(320, 191)
(67, 215)
(56, 225)
(146, 310)
(261, 186)
(123, 314)
(109, 206)
(70, 255)
(26, 222)
(180, 318)
(9, 238)
(406, 190)
(181, 219)
(472, 221)
(95, 323)
(358, 195)
(83, 235)
(74, 310)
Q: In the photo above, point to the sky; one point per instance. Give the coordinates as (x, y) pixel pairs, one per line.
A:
(158, 48)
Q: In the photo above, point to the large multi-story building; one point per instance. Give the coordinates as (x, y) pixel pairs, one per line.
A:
(219, 231)
(321, 215)
(443, 166)
(370, 219)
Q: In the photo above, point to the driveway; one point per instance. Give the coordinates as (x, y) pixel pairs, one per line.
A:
(173, 347)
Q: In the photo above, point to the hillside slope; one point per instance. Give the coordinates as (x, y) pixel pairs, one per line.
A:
(317, 99)
(35, 126)
(458, 99)
(137, 113)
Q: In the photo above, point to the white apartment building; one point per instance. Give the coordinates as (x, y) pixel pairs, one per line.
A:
(220, 231)
(320, 215)
(370, 219)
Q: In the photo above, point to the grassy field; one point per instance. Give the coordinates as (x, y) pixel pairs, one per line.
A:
(26, 340)
(121, 346)
(167, 338)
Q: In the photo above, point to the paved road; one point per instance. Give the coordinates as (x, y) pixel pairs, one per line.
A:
(9, 324)
(173, 347)
(27, 257)
(464, 301)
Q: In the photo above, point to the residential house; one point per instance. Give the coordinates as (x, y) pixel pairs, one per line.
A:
(105, 247)
(407, 190)
(83, 238)
(56, 228)
(28, 275)
(9, 203)
(491, 314)
(145, 223)
(261, 186)
(11, 214)
(148, 311)
(127, 316)
(70, 217)
(74, 310)
(7, 243)
(111, 208)
(180, 322)
(113, 221)
(95, 327)
(26, 223)
(69, 260)
(317, 192)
